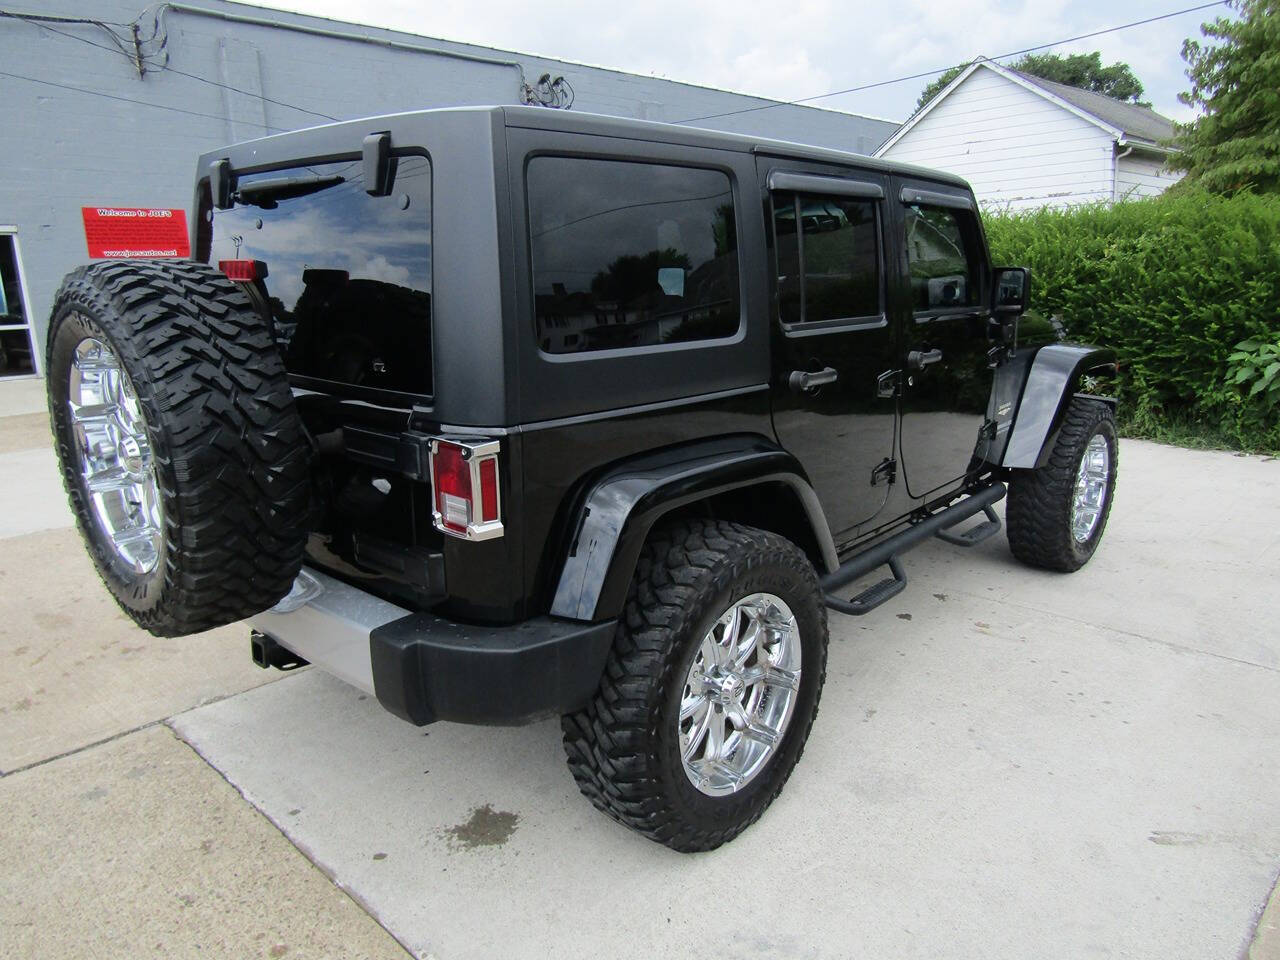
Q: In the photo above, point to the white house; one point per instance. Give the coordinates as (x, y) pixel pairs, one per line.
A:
(1024, 142)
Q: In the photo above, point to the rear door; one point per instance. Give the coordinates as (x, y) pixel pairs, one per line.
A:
(947, 351)
(833, 343)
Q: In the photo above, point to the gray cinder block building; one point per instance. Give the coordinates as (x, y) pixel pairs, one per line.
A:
(107, 103)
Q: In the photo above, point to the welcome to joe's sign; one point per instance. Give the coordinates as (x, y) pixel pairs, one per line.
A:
(118, 232)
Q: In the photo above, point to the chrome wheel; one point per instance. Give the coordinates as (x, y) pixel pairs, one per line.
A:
(116, 463)
(739, 694)
(1092, 481)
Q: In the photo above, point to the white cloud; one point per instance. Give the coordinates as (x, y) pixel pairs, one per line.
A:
(380, 268)
(797, 49)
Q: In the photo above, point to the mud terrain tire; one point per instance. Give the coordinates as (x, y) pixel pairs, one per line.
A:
(192, 431)
(624, 748)
(1040, 510)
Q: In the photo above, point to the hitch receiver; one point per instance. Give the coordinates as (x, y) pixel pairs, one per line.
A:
(267, 653)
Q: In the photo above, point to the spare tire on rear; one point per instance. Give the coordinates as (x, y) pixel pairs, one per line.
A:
(183, 455)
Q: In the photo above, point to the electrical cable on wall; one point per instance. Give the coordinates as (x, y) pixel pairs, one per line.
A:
(151, 53)
(142, 51)
(557, 93)
(159, 59)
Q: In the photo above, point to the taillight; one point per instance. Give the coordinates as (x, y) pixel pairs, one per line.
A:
(243, 271)
(464, 488)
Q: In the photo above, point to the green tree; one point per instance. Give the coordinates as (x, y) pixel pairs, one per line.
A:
(1086, 71)
(936, 86)
(1083, 70)
(1235, 143)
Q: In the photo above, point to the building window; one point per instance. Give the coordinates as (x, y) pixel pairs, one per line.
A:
(17, 356)
(631, 254)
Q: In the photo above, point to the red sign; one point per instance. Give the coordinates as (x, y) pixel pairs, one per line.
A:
(117, 232)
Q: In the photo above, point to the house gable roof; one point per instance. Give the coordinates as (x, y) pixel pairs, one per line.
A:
(1134, 121)
(1123, 121)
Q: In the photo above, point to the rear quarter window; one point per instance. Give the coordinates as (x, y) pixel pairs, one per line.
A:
(629, 254)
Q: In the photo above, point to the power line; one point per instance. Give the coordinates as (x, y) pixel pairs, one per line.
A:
(141, 103)
(37, 22)
(930, 73)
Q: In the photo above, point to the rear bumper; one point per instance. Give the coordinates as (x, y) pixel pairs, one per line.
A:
(422, 667)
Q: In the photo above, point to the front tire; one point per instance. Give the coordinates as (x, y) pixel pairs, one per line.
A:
(1057, 513)
(711, 688)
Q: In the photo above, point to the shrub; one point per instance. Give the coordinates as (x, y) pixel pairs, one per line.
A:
(1173, 284)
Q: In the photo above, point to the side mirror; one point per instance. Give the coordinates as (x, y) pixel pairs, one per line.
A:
(1012, 291)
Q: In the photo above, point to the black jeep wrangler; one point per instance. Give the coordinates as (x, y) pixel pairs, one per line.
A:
(501, 413)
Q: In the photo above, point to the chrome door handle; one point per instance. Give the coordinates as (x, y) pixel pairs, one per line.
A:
(801, 380)
(919, 359)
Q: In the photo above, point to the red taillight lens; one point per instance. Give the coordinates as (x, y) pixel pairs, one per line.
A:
(489, 489)
(465, 488)
(242, 271)
(452, 487)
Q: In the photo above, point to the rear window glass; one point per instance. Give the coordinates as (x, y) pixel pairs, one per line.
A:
(348, 276)
(631, 254)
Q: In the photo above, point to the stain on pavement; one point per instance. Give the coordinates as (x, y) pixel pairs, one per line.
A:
(485, 828)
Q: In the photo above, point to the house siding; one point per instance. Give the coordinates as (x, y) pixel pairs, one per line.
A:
(1017, 149)
(1143, 175)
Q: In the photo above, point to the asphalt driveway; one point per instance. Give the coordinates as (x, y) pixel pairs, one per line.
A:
(1007, 763)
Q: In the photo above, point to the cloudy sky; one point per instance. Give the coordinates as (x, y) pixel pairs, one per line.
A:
(802, 47)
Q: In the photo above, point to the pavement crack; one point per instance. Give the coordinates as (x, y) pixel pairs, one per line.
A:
(124, 733)
(309, 855)
(88, 746)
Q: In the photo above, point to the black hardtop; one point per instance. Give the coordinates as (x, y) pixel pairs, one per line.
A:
(275, 149)
(483, 376)
(540, 118)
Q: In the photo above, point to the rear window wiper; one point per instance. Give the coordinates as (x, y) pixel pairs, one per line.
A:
(266, 193)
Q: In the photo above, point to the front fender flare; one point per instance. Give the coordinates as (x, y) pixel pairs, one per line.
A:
(1049, 388)
(622, 506)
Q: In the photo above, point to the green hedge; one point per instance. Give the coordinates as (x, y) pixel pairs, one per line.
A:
(1172, 284)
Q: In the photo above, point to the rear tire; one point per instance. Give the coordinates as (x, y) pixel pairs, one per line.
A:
(167, 391)
(634, 751)
(1048, 526)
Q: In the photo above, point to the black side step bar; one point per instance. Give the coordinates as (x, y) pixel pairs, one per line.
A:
(975, 534)
(887, 551)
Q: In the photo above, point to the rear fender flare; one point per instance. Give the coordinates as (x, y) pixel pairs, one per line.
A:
(622, 507)
(1052, 381)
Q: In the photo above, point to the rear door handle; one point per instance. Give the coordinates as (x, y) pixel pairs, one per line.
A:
(801, 380)
(919, 359)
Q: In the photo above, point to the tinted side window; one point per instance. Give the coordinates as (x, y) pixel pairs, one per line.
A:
(940, 258)
(828, 258)
(630, 254)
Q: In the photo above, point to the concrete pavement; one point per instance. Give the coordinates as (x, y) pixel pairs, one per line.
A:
(1007, 763)
(138, 848)
(119, 841)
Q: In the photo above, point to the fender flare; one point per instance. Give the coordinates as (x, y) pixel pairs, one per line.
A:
(1049, 388)
(620, 509)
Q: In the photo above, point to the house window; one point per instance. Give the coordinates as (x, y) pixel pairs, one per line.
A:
(631, 254)
(941, 245)
(828, 251)
(17, 356)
